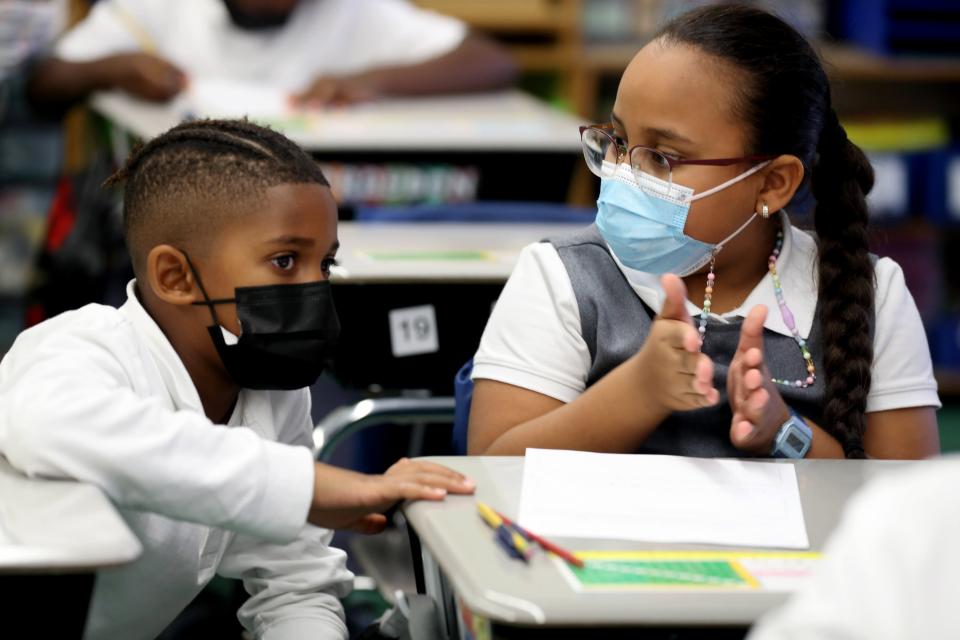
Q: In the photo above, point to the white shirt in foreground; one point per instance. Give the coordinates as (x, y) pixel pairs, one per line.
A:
(889, 570)
(321, 38)
(100, 395)
(533, 338)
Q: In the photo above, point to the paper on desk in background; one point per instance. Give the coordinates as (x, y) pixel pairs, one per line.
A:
(219, 97)
(657, 498)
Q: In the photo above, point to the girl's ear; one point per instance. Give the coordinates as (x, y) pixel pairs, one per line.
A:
(169, 276)
(781, 179)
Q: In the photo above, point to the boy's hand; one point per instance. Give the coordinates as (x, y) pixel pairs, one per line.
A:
(144, 75)
(336, 91)
(676, 376)
(345, 499)
(758, 408)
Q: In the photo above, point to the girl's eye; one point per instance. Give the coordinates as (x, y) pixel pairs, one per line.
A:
(285, 262)
(327, 264)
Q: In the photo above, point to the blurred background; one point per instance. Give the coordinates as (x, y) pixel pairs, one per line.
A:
(895, 71)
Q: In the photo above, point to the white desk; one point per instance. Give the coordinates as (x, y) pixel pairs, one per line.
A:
(431, 149)
(59, 526)
(410, 253)
(54, 536)
(445, 276)
(459, 552)
(505, 121)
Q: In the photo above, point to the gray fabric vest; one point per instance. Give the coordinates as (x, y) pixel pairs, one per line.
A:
(615, 322)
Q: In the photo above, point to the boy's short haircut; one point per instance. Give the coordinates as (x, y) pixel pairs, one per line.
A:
(181, 186)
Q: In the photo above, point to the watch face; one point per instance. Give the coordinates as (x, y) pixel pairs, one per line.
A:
(794, 442)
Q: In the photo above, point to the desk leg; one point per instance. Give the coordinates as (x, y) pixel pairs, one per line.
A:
(439, 589)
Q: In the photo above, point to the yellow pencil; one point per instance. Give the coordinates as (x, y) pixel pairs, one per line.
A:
(137, 30)
(497, 524)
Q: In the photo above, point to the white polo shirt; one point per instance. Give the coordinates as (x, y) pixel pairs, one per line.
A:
(321, 38)
(533, 339)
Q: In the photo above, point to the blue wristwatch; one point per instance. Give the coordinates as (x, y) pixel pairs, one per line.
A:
(793, 439)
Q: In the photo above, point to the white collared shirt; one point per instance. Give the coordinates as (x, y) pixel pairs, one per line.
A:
(100, 395)
(321, 38)
(533, 338)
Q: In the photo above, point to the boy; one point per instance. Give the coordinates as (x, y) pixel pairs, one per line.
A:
(232, 231)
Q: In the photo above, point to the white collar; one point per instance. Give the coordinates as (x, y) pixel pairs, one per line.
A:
(796, 265)
(253, 406)
(175, 376)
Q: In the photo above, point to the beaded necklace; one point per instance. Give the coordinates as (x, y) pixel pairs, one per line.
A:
(785, 313)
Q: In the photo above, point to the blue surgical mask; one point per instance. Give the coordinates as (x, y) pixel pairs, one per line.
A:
(642, 221)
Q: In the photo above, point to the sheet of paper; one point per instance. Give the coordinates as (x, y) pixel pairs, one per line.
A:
(661, 499)
(217, 97)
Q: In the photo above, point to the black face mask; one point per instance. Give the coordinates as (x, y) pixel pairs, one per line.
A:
(256, 20)
(289, 334)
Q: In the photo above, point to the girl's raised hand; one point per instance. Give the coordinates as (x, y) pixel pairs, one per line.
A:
(675, 374)
(758, 408)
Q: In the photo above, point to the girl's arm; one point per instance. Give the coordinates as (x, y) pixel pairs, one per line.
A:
(910, 433)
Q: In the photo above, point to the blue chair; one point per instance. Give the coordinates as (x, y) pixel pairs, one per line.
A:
(488, 211)
(345, 421)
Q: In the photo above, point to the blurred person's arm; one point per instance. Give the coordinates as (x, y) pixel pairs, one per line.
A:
(477, 64)
(57, 84)
(114, 47)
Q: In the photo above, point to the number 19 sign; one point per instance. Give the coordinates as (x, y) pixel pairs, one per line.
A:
(413, 331)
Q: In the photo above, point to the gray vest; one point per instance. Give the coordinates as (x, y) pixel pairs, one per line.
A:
(615, 322)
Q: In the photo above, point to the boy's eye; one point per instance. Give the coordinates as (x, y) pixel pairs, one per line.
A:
(328, 264)
(285, 262)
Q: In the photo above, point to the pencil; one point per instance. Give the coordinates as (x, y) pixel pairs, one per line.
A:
(506, 534)
(543, 542)
(135, 29)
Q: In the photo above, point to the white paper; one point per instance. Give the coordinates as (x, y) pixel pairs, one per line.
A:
(217, 97)
(661, 499)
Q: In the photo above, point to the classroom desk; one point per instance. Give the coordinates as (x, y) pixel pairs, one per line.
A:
(462, 563)
(499, 146)
(447, 275)
(54, 536)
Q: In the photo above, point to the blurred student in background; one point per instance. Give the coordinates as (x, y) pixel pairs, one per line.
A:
(321, 51)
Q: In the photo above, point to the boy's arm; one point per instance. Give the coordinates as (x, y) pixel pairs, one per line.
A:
(295, 589)
(68, 409)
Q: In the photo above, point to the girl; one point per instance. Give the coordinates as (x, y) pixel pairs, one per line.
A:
(802, 345)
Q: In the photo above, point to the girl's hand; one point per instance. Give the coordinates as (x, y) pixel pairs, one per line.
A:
(758, 408)
(674, 374)
(345, 499)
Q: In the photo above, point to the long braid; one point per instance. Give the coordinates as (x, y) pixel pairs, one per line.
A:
(785, 101)
(841, 179)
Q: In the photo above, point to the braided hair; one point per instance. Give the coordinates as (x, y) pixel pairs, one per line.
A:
(784, 97)
(182, 185)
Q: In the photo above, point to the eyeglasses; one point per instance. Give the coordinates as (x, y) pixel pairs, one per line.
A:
(603, 153)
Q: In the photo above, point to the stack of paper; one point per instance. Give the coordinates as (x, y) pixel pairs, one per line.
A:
(661, 499)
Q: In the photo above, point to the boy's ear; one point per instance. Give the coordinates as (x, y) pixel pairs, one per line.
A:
(781, 179)
(169, 276)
